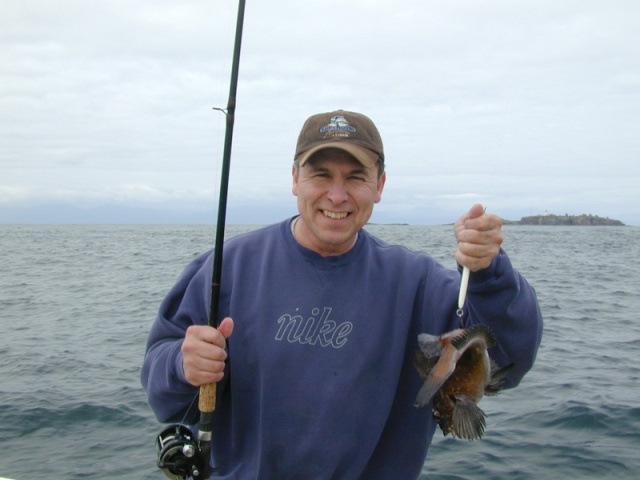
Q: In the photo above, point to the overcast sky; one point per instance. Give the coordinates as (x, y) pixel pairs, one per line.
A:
(526, 106)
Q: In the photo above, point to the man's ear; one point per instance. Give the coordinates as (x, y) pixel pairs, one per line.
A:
(381, 181)
(294, 175)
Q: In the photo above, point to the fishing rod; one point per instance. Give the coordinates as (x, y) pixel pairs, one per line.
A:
(179, 454)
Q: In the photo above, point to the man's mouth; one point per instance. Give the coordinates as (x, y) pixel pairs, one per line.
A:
(335, 215)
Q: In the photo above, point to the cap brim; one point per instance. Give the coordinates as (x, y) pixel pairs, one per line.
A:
(365, 156)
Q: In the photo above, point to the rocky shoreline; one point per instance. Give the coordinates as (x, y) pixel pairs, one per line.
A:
(577, 220)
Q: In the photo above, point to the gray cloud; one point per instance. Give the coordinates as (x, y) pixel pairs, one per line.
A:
(526, 106)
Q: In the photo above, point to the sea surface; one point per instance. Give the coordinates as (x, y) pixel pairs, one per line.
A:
(76, 303)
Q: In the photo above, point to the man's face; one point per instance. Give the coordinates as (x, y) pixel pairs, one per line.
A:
(336, 194)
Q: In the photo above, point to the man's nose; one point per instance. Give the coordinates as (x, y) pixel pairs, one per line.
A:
(338, 192)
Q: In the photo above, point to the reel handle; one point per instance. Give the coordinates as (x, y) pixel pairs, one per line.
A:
(179, 455)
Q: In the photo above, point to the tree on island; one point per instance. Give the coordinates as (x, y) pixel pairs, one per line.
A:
(580, 220)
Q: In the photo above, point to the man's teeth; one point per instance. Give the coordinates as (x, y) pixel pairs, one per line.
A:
(335, 215)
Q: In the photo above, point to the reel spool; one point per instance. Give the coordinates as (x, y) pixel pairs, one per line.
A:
(179, 456)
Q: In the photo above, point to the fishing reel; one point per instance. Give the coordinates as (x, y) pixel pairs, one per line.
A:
(179, 455)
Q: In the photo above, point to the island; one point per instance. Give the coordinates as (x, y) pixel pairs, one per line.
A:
(566, 219)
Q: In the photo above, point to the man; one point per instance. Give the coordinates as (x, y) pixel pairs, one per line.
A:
(320, 321)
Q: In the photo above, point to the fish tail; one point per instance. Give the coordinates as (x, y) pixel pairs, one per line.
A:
(468, 420)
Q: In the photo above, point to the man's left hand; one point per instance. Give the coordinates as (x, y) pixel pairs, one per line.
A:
(479, 236)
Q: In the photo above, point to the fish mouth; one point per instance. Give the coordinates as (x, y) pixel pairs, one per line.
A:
(335, 215)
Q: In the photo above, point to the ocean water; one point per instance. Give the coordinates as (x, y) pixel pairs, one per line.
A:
(76, 303)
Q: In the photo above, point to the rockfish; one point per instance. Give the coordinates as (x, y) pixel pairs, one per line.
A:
(458, 372)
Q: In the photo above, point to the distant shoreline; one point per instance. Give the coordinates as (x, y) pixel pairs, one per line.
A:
(566, 220)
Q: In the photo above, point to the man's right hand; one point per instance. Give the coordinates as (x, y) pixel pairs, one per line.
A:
(204, 354)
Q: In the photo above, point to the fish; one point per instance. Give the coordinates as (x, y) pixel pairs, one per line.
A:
(457, 373)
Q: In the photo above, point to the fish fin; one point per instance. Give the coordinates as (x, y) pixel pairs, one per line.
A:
(423, 364)
(468, 420)
(472, 333)
(438, 374)
(426, 393)
(497, 378)
(430, 345)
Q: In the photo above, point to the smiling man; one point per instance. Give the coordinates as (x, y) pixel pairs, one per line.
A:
(335, 194)
(338, 175)
(319, 322)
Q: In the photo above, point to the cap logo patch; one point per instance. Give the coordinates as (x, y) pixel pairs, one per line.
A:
(338, 125)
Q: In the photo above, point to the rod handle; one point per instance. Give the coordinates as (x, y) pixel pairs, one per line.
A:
(207, 400)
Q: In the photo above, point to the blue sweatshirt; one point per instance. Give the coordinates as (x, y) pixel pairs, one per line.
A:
(319, 381)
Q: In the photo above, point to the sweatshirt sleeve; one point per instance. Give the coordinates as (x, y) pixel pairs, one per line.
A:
(170, 396)
(502, 299)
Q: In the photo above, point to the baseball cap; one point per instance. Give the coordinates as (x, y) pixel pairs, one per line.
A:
(352, 132)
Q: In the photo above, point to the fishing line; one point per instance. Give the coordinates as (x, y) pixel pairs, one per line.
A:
(180, 454)
(464, 279)
(464, 284)
(222, 74)
(226, 33)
